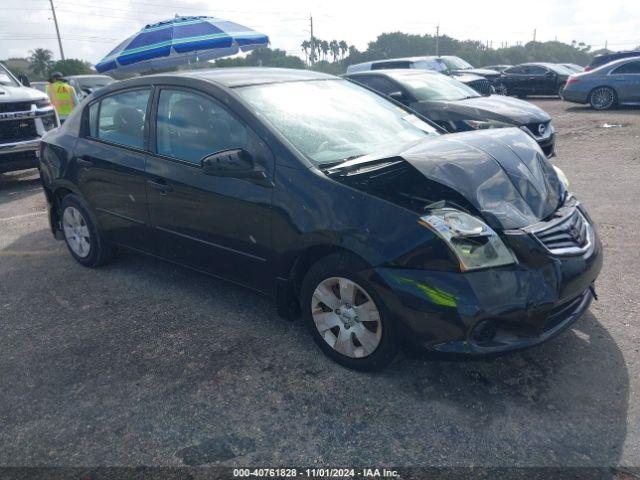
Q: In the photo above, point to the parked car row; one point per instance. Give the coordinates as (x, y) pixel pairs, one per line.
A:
(343, 204)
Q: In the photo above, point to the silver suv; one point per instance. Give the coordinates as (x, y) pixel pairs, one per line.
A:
(25, 115)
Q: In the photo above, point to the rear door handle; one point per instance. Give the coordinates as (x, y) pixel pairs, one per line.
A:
(161, 186)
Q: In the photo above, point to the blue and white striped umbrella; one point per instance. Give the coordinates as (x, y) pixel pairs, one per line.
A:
(180, 41)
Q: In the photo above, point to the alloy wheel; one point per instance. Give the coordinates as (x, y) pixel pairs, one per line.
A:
(602, 98)
(346, 317)
(76, 232)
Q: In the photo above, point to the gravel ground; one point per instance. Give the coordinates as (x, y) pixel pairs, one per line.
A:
(145, 363)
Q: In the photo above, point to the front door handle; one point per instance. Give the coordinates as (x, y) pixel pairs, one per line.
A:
(84, 161)
(161, 186)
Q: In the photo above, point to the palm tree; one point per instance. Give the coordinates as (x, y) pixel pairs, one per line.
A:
(306, 45)
(324, 47)
(41, 60)
(334, 47)
(344, 48)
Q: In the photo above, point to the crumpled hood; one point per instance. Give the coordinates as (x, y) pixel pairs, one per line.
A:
(501, 172)
(20, 94)
(495, 107)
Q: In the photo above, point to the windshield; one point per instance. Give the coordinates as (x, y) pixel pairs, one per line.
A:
(456, 63)
(436, 88)
(6, 78)
(333, 120)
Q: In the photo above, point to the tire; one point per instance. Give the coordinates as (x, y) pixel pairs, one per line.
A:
(602, 98)
(84, 241)
(560, 90)
(337, 326)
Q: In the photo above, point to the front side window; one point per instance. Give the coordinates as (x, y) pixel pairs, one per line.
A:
(191, 126)
(120, 118)
(332, 120)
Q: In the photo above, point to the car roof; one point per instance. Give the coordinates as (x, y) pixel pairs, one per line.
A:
(244, 76)
(393, 72)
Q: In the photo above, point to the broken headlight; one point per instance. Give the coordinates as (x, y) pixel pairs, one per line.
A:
(475, 244)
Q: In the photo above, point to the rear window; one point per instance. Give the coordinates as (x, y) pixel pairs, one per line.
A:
(119, 118)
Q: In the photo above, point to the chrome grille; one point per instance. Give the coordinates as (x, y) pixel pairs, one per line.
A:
(482, 86)
(570, 236)
(17, 130)
(14, 107)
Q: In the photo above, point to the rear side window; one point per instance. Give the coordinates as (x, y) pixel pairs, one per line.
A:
(119, 118)
(191, 126)
(629, 68)
(515, 70)
(388, 65)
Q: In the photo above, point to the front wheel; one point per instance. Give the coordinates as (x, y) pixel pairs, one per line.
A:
(501, 89)
(345, 316)
(602, 98)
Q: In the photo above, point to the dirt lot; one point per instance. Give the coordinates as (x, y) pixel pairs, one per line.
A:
(144, 363)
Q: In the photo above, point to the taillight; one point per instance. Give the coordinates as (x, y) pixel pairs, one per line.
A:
(587, 68)
(572, 80)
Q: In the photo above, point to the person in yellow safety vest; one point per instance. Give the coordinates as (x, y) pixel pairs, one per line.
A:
(62, 95)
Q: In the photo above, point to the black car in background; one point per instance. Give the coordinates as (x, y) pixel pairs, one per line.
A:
(535, 79)
(457, 108)
(333, 200)
(497, 68)
(605, 58)
(485, 82)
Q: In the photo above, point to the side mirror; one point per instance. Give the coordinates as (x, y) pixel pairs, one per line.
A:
(24, 80)
(235, 163)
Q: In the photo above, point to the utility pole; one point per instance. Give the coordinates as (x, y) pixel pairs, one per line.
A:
(534, 35)
(437, 40)
(606, 44)
(55, 21)
(313, 42)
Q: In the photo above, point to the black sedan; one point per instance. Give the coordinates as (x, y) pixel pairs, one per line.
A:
(535, 79)
(456, 107)
(333, 200)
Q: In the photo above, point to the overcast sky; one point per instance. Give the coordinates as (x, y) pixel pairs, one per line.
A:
(91, 28)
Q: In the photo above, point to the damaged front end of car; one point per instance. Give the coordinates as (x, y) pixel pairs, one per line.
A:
(514, 255)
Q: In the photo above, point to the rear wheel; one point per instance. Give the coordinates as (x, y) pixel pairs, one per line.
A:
(345, 316)
(602, 98)
(84, 241)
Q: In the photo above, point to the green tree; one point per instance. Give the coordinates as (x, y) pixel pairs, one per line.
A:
(265, 57)
(41, 60)
(71, 66)
(306, 46)
(324, 48)
(344, 48)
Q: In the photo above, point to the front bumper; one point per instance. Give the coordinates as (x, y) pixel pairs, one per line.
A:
(18, 155)
(492, 310)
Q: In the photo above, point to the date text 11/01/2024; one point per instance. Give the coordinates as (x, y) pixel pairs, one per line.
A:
(315, 473)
